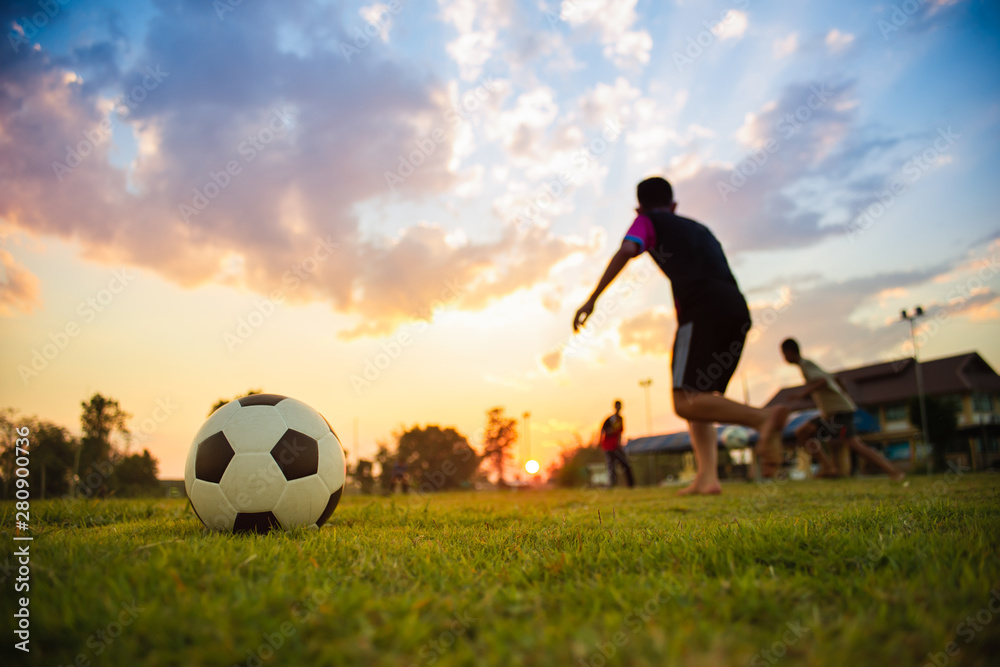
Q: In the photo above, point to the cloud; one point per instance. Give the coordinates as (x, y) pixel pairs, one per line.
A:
(523, 128)
(378, 15)
(925, 16)
(650, 333)
(19, 289)
(412, 276)
(478, 24)
(837, 41)
(269, 151)
(988, 309)
(552, 361)
(471, 51)
(733, 25)
(649, 123)
(785, 47)
(605, 101)
(808, 166)
(630, 48)
(550, 49)
(613, 20)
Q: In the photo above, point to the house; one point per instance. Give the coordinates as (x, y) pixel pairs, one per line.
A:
(885, 390)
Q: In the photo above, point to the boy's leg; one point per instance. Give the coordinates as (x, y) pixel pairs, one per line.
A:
(827, 466)
(714, 407)
(623, 457)
(612, 475)
(842, 457)
(863, 450)
(706, 456)
(707, 349)
(805, 435)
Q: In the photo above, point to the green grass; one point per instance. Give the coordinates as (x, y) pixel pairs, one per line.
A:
(854, 572)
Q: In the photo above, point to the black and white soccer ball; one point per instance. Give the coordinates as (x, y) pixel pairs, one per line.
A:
(735, 437)
(264, 462)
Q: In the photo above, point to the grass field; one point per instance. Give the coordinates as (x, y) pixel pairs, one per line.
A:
(854, 572)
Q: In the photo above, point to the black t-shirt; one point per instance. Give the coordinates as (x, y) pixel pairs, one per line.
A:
(693, 260)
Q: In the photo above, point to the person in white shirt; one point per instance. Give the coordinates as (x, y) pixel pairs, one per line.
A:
(836, 420)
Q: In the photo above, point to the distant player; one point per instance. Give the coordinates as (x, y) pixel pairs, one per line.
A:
(712, 324)
(836, 410)
(611, 443)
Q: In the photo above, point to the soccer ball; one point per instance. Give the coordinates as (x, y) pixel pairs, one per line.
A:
(264, 461)
(735, 437)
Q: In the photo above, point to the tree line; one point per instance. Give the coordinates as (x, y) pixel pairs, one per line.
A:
(95, 465)
(432, 458)
(440, 459)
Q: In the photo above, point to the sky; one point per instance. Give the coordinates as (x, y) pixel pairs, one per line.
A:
(392, 210)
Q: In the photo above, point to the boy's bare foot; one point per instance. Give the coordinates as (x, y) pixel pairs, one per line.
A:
(898, 477)
(697, 488)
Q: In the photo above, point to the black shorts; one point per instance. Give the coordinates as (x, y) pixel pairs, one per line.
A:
(708, 345)
(840, 425)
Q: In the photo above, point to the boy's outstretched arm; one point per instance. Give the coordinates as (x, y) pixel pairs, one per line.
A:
(627, 251)
(809, 388)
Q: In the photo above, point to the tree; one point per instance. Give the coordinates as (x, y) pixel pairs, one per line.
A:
(222, 401)
(362, 474)
(436, 458)
(501, 433)
(942, 424)
(571, 468)
(8, 431)
(96, 456)
(384, 458)
(52, 451)
(135, 475)
(55, 455)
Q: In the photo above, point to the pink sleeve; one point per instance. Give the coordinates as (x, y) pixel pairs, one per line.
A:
(642, 232)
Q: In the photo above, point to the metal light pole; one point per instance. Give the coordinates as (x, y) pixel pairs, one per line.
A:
(649, 412)
(918, 312)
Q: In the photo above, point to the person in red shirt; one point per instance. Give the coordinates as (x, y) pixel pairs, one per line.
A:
(611, 443)
(712, 324)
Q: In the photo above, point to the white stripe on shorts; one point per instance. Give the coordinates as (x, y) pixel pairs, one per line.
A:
(682, 345)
